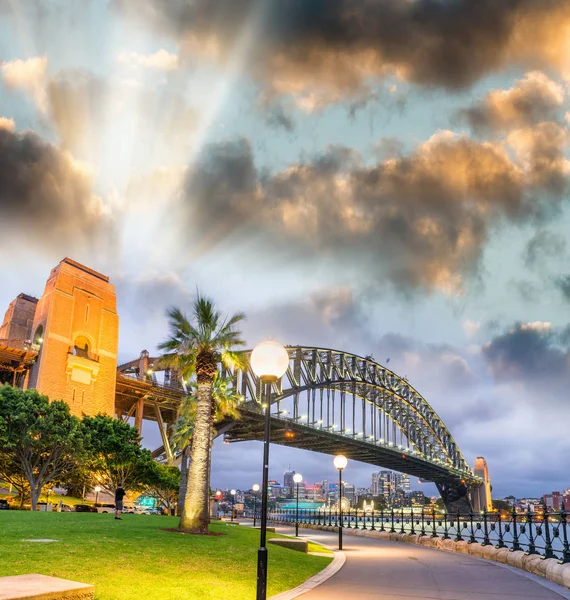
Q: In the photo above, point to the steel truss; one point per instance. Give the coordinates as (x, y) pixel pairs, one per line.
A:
(326, 391)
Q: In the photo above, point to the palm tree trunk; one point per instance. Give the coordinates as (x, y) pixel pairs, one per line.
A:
(183, 479)
(195, 515)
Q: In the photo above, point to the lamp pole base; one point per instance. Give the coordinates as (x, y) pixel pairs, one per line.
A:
(261, 574)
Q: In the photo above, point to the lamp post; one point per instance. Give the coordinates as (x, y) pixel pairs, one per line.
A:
(255, 489)
(269, 361)
(340, 463)
(297, 478)
(97, 490)
(233, 493)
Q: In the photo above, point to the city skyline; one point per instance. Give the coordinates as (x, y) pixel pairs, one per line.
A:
(351, 193)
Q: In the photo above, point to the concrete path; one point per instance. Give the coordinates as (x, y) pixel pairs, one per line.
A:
(383, 570)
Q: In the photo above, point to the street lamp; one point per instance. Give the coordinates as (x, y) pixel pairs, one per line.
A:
(269, 361)
(255, 489)
(340, 463)
(233, 493)
(297, 478)
(97, 490)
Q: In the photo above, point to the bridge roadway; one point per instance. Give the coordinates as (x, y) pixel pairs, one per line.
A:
(385, 570)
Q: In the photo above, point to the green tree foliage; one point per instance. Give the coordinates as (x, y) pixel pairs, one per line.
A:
(115, 454)
(165, 484)
(196, 346)
(502, 505)
(39, 440)
(13, 476)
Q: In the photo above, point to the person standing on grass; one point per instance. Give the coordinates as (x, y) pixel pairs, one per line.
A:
(119, 495)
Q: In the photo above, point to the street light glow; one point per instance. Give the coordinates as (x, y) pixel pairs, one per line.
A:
(340, 461)
(255, 487)
(297, 478)
(269, 360)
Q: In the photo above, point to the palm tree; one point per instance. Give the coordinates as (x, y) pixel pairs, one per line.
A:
(225, 402)
(199, 346)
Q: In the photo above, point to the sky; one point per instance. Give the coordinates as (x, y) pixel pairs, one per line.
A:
(388, 178)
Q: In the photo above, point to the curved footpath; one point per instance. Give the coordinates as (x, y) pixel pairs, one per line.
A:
(385, 570)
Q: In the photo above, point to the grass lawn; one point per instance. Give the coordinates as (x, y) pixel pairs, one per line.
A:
(135, 559)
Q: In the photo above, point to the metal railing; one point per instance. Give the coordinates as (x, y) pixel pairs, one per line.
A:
(542, 533)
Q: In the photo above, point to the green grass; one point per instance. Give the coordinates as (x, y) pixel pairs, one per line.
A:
(135, 559)
(318, 548)
(53, 499)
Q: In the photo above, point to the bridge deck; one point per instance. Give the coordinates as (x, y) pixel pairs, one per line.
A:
(251, 427)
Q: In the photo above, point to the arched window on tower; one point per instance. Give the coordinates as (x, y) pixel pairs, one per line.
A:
(81, 346)
(38, 336)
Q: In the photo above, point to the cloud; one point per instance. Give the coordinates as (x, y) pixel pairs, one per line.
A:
(28, 75)
(527, 290)
(563, 284)
(45, 193)
(471, 328)
(531, 100)
(162, 60)
(543, 245)
(419, 221)
(277, 118)
(327, 51)
(533, 358)
(7, 124)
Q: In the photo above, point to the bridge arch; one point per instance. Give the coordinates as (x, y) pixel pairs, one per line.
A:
(355, 403)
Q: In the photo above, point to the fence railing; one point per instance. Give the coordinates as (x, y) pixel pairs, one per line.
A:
(542, 533)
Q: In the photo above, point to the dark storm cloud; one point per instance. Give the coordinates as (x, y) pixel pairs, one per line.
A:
(45, 196)
(542, 246)
(534, 356)
(328, 50)
(418, 221)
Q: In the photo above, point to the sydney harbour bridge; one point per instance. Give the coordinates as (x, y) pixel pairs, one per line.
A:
(65, 345)
(328, 401)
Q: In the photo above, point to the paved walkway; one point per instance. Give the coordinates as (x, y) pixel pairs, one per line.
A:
(383, 570)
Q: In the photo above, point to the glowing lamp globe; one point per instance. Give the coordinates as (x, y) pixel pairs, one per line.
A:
(269, 360)
(340, 461)
(255, 487)
(297, 478)
(97, 489)
(233, 492)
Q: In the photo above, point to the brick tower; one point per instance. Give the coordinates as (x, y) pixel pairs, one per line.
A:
(76, 329)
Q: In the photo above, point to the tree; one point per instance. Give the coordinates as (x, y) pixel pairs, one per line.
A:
(14, 477)
(501, 505)
(197, 347)
(225, 403)
(115, 454)
(165, 484)
(39, 440)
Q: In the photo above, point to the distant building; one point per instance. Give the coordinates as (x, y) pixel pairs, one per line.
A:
(553, 502)
(388, 484)
(288, 483)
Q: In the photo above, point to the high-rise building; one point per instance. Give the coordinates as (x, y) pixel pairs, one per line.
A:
(288, 483)
(387, 483)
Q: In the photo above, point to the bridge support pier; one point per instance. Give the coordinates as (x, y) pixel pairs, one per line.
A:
(455, 495)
